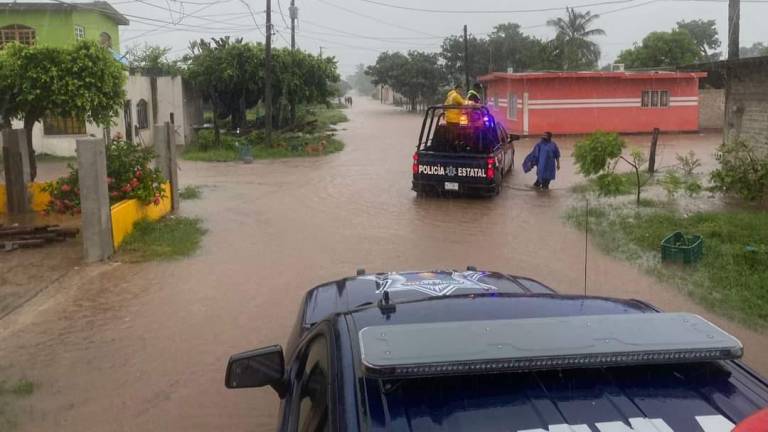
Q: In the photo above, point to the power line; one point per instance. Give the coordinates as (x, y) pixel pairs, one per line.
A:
(547, 9)
(253, 16)
(378, 20)
(346, 33)
(476, 11)
(141, 18)
(280, 8)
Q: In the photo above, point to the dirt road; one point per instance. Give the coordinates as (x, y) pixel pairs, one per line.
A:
(120, 347)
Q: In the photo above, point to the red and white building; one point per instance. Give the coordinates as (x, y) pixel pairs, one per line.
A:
(581, 102)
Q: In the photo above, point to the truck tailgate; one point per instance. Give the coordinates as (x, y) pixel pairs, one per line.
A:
(449, 167)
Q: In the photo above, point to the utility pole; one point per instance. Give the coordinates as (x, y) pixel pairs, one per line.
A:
(293, 11)
(268, 78)
(734, 7)
(466, 59)
(321, 50)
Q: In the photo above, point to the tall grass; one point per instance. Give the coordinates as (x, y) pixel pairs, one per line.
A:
(732, 276)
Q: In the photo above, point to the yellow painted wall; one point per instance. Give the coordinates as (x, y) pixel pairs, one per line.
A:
(40, 199)
(126, 213)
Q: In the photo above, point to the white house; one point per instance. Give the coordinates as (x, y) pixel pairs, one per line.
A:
(169, 101)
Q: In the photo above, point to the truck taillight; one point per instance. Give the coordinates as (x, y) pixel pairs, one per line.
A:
(490, 173)
(415, 166)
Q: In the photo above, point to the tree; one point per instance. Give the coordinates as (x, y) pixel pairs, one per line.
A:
(387, 69)
(417, 75)
(452, 54)
(300, 78)
(511, 48)
(151, 60)
(598, 154)
(360, 81)
(757, 49)
(573, 41)
(229, 74)
(661, 49)
(82, 81)
(704, 34)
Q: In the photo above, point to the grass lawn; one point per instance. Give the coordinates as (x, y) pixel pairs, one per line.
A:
(628, 185)
(287, 146)
(326, 117)
(9, 392)
(317, 120)
(190, 192)
(47, 157)
(731, 278)
(169, 238)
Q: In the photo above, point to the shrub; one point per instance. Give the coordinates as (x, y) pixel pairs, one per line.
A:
(595, 153)
(206, 140)
(598, 154)
(129, 175)
(683, 177)
(743, 171)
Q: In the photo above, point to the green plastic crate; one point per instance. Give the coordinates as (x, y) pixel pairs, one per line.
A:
(677, 247)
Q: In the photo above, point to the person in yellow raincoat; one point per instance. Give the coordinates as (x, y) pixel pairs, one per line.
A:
(453, 116)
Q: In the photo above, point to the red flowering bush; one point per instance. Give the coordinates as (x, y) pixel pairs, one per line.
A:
(129, 175)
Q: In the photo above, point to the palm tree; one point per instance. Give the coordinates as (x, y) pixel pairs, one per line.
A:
(572, 41)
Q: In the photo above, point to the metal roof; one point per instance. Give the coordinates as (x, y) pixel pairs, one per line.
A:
(590, 74)
(97, 6)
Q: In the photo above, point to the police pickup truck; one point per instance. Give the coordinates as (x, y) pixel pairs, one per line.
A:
(472, 156)
(485, 351)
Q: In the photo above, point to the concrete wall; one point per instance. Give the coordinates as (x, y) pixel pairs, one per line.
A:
(582, 104)
(61, 145)
(171, 98)
(57, 27)
(711, 108)
(53, 28)
(748, 106)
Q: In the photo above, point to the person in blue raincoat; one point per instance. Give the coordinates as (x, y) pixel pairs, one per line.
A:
(546, 156)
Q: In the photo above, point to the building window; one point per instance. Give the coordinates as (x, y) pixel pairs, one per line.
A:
(79, 32)
(55, 125)
(105, 40)
(142, 119)
(664, 98)
(512, 106)
(17, 33)
(655, 99)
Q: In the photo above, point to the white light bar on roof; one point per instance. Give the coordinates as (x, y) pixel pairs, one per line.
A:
(465, 347)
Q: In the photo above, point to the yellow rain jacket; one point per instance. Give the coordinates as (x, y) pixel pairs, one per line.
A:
(453, 115)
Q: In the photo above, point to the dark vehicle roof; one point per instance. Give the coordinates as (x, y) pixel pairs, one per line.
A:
(674, 394)
(351, 293)
(642, 397)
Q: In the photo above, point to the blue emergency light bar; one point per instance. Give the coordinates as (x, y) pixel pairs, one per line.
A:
(516, 345)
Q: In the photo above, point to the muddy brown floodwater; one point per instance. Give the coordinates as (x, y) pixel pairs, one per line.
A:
(119, 347)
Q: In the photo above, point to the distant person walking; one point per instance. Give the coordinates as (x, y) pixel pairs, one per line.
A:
(546, 156)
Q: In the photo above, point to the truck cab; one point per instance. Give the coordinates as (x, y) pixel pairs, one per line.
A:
(486, 351)
(470, 157)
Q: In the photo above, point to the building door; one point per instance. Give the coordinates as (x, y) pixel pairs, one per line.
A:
(128, 120)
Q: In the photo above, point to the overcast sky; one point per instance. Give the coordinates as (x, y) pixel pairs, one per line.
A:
(348, 29)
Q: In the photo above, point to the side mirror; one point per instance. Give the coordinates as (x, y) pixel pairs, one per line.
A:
(257, 368)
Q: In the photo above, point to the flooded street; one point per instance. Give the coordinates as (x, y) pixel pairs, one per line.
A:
(139, 347)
